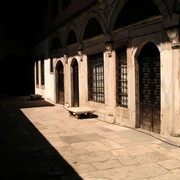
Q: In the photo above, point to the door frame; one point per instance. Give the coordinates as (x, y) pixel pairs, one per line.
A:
(72, 82)
(137, 84)
(56, 81)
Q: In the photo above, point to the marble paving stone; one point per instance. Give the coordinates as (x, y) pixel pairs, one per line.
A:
(176, 171)
(170, 164)
(90, 146)
(84, 168)
(107, 164)
(112, 174)
(94, 149)
(111, 144)
(146, 171)
(70, 150)
(166, 177)
(96, 157)
(127, 160)
(131, 151)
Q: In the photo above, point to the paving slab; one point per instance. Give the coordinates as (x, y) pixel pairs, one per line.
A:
(39, 140)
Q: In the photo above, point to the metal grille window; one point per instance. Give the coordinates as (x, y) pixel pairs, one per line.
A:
(96, 78)
(122, 89)
(37, 73)
(42, 72)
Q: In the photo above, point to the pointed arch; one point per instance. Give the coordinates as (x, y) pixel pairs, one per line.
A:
(142, 9)
(149, 49)
(60, 82)
(55, 44)
(71, 38)
(124, 14)
(93, 28)
(75, 82)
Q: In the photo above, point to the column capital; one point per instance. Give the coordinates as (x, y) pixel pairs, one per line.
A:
(173, 34)
(109, 47)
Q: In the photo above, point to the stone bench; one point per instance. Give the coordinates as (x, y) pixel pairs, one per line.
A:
(78, 111)
(35, 96)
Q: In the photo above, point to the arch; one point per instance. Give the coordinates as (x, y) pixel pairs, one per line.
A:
(149, 49)
(97, 20)
(73, 60)
(92, 29)
(60, 82)
(55, 44)
(122, 9)
(137, 45)
(72, 38)
(75, 82)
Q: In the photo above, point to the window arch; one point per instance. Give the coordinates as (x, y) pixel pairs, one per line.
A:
(92, 29)
(149, 49)
(135, 11)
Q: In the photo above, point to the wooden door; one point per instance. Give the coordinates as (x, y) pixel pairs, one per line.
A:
(150, 93)
(75, 80)
(60, 83)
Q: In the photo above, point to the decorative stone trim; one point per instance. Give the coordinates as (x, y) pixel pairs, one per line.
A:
(173, 34)
(109, 48)
(176, 46)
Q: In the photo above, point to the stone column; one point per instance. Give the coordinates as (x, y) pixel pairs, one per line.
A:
(111, 80)
(173, 34)
(66, 82)
(81, 77)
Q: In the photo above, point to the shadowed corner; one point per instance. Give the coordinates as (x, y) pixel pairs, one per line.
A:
(25, 153)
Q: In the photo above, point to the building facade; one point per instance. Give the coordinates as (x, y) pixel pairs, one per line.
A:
(119, 57)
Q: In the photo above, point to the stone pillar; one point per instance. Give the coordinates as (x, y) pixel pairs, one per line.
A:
(111, 80)
(81, 77)
(66, 82)
(174, 34)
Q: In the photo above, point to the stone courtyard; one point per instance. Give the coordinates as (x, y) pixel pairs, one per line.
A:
(40, 141)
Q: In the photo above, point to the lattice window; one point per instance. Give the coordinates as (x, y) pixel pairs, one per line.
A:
(122, 83)
(96, 78)
(42, 72)
(37, 73)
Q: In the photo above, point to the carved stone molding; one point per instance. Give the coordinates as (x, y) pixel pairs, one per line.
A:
(78, 23)
(173, 35)
(109, 47)
(107, 7)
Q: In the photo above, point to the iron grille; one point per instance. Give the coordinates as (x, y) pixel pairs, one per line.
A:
(122, 89)
(96, 78)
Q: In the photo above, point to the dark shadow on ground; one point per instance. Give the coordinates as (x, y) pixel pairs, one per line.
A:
(25, 154)
(87, 116)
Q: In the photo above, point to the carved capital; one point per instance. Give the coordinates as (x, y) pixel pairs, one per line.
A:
(173, 34)
(107, 7)
(109, 47)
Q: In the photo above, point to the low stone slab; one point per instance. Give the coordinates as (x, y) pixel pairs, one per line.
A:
(35, 96)
(77, 111)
